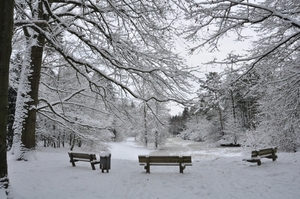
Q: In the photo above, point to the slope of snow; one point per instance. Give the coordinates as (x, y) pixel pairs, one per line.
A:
(216, 173)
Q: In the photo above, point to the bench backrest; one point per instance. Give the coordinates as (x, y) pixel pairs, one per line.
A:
(261, 152)
(165, 159)
(82, 156)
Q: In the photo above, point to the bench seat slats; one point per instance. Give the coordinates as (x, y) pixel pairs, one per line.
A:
(81, 160)
(181, 161)
(167, 164)
(264, 152)
(256, 156)
(83, 157)
(165, 159)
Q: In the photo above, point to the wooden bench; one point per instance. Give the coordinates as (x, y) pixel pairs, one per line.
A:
(263, 153)
(181, 161)
(85, 157)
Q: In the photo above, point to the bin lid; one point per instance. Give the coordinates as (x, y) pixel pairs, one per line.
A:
(107, 154)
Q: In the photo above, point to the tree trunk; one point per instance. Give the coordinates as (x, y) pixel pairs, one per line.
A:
(156, 140)
(221, 120)
(233, 106)
(12, 96)
(72, 142)
(28, 134)
(6, 27)
(145, 127)
(27, 99)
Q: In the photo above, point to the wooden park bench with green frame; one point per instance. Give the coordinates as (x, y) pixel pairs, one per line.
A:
(263, 153)
(181, 161)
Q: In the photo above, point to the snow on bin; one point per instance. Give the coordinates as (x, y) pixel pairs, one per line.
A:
(105, 161)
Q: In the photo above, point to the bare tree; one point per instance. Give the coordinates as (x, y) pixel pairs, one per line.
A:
(124, 42)
(275, 51)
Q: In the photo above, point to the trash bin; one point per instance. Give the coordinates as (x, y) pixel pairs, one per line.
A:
(105, 161)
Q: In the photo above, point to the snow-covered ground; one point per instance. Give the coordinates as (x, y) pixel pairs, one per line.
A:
(216, 173)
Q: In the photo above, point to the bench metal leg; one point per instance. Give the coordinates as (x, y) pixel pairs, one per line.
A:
(73, 162)
(181, 168)
(258, 162)
(147, 167)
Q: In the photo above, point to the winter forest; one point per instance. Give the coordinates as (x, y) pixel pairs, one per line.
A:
(86, 72)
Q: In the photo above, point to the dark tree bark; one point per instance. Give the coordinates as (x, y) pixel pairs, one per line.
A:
(6, 27)
(145, 127)
(12, 96)
(28, 131)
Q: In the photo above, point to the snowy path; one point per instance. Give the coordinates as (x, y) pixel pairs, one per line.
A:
(216, 173)
(177, 146)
